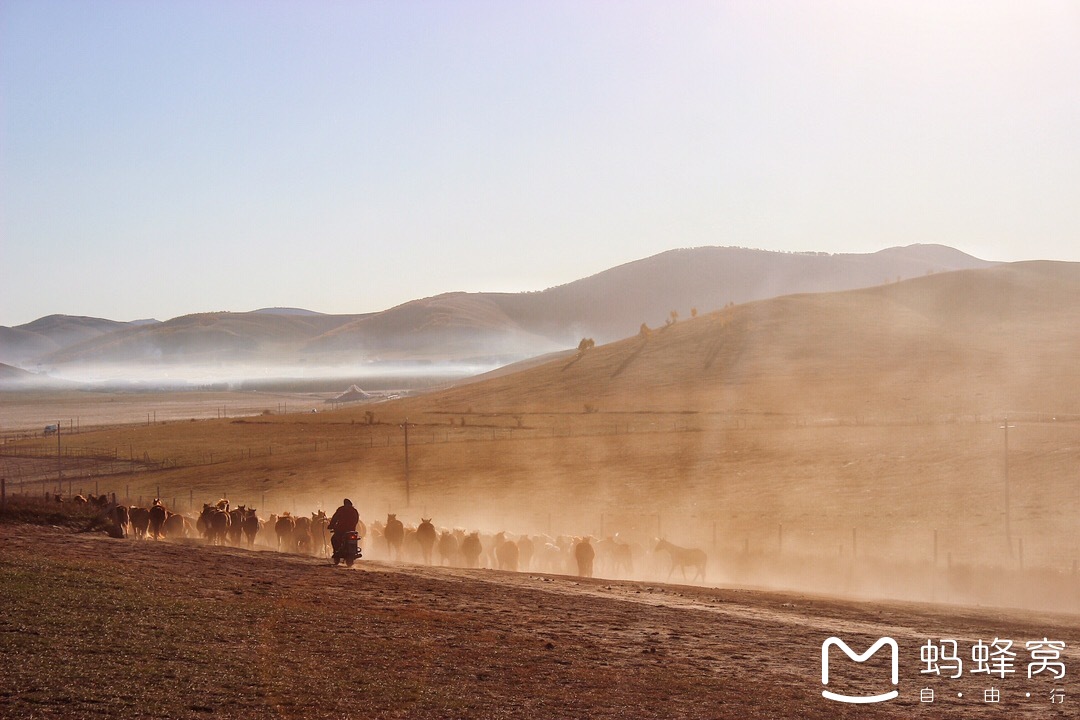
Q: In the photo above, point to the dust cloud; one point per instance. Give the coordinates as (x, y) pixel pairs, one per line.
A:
(908, 511)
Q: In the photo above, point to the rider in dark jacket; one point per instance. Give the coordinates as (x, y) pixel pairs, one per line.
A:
(341, 524)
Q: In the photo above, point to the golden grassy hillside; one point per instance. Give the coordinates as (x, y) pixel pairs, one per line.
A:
(810, 427)
(965, 343)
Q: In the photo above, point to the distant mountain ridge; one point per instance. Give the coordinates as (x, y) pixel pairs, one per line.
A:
(499, 327)
(967, 343)
(285, 311)
(613, 304)
(23, 344)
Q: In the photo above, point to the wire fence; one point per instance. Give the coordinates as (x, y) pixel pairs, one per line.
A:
(460, 427)
(95, 462)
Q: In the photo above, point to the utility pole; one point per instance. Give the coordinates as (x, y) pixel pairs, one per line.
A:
(405, 425)
(1008, 523)
(59, 461)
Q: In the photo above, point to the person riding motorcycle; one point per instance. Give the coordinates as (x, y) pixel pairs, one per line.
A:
(341, 524)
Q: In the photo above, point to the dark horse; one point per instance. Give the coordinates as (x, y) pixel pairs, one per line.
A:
(426, 536)
(394, 532)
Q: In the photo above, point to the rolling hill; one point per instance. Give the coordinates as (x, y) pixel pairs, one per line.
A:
(612, 304)
(965, 343)
(23, 344)
(495, 328)
(209, 338)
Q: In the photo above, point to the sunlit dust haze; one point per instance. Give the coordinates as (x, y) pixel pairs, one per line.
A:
(663, 350)
(790, 284)
(914, 440)
(160, 159)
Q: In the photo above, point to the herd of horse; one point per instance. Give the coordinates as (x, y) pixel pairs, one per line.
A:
(221, 524)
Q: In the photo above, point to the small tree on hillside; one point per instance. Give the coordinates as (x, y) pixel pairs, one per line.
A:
(586, 344)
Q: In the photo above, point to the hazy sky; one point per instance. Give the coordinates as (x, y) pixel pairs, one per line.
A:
(167, 157)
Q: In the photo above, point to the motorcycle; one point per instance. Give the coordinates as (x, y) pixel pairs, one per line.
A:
(349, 550)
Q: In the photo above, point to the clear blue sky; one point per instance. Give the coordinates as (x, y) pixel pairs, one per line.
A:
(167, 157)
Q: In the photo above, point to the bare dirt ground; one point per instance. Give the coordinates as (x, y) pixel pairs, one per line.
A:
(97, 627)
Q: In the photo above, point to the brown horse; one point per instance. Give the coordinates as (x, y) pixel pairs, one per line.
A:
(250, 525)
(426, 537)
(119, 516)
(448, 548)
(140, 520)
(584, 554)
(236, 525)
(283, 528)
(214, 522)
(158, 513)
(319, 539)
(507, 553)
(684, 557)
(175, 526)
(471, 549)
(525, 552)
(395, 535)
(301, 541)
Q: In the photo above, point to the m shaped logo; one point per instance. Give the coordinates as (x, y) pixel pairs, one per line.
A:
(859, 659)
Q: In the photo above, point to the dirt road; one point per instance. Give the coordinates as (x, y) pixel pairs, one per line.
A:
(95, 627)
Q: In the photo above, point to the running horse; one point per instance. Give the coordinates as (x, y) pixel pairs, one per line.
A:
(684, 557)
